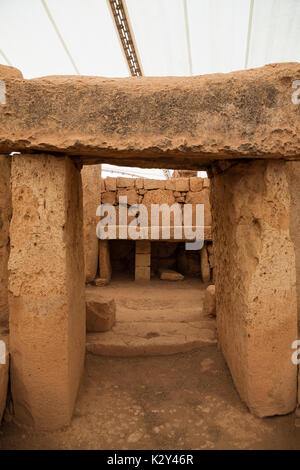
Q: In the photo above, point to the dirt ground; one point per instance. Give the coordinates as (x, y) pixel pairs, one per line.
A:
(181, 401)
(185, 401)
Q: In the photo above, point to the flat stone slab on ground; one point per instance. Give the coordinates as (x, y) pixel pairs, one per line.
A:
(100, 312)
(151, 339)
(170, 275)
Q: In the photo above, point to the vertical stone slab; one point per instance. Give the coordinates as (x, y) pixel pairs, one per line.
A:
(46, 289)
(104, 260)
(142, 271)
(293, 172)
(204, 264)
(91, 188)
(256, 282)
(5, 216)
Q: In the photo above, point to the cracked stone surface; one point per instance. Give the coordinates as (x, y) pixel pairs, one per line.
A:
(155, 319)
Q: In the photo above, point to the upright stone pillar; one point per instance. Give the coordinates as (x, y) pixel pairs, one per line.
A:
(104, 260)
(46, 289)
(142, 260)
(256, 282)
(293, 172)
(91, 186)
(5, 216)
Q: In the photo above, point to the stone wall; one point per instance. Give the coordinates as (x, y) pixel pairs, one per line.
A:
(149, 191)
(181, 190)
(256, 281)
(5, 216)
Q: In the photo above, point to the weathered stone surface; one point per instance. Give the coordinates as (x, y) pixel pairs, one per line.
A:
(101, 282)
(293, 176)
(205, 268)
(46, 289)
(154, 184)
(109, 197)
(170, 184)
(256, 282)
(125, 182)
(142, 259)
(196, 184)
(159, 196)
(131, 194)
(209, 302)
(140, 339)
(91, 188)
(139, 183)
(6, 71)
(170, 275)
(193, 119)
(5, 216)
(100, 312)
(182, 184)
(142, 273)
(104, 259)
(4, 370)
(143, 246)
(110, 183)
(201, 197)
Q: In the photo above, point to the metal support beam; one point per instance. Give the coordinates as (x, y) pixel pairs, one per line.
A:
(124, 29)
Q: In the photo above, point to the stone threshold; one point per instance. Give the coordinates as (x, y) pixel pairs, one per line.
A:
(152, 339)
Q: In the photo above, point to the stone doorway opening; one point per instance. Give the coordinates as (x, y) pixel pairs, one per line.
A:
(122, 255)
(216, 122)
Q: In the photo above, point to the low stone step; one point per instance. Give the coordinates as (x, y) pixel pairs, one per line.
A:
(152, 339)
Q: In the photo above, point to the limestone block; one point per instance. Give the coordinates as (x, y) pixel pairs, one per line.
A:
(101, 282)
(104, 259)
(209, 302)
(102, 186)
(170, 275)
(182, 184)
(46, 289)
(5, 216)
(153, 184)
(194, 120)
(205, 268)
(255, 278)
(201, 197)
(139, 183)
(100, 312)
(142, 259)
(125, 182)
(109, 197)
(142, 273)
(170, 184)
(143, 246)
(110, 183)
(206, 183)
(131, 194)
(159, 196)
(293, 174)
(196, 184)
(91, 189)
